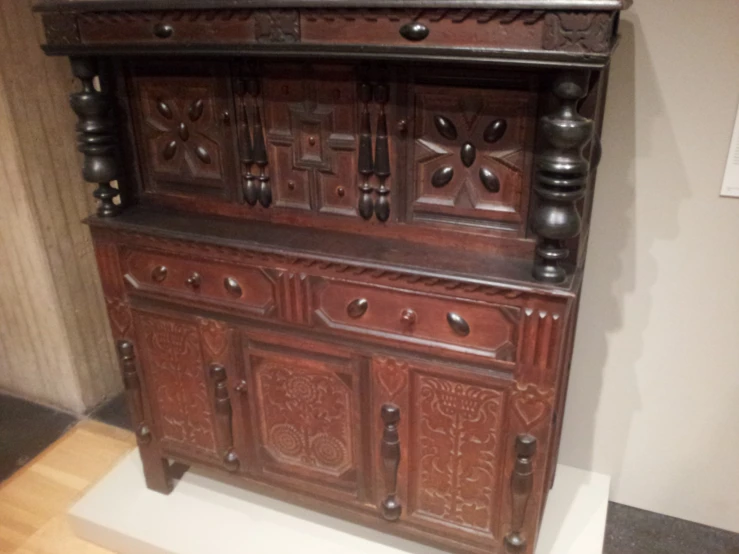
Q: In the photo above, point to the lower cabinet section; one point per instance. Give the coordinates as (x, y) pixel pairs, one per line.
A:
(435, 451)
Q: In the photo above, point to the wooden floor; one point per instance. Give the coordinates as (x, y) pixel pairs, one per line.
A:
(34, 501)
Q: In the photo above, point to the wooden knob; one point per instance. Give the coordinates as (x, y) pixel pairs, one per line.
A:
(232, 287)
(163, 30)
(193, 281)
(357, 308)
(159, 273)
(408, 316)
(414, 31)
(458, 324)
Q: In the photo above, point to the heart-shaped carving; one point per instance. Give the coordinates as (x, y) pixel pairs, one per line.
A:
(214, 336)
(392, 375)
(120, 316)
(529, 408)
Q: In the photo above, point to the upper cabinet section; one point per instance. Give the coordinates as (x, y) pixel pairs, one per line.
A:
(344, 146)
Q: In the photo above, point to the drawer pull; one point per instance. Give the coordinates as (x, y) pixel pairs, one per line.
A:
(458, 324)
(193, 281)
(357, 308)
(162, 30)
(159, 273)
(408, 316)
(414, 31)
(232, 286)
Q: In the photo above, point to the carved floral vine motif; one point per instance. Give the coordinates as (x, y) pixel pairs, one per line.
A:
(174, 365)
(457, 430)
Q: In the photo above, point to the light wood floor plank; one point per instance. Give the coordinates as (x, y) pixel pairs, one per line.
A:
(34, 501)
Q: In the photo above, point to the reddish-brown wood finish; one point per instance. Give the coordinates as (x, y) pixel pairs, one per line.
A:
(329, 278)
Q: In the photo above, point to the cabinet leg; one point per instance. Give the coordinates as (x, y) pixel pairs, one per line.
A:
(157, 472)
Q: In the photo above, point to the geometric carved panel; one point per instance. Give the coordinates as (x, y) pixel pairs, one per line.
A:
(472, 151)
(175, 376)
(457, 440)
(311, 126)
(185, 135)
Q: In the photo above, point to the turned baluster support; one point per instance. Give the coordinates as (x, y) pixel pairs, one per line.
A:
(96, 135)
(562, 174)
(224, 416)
(522, 483)
(390, 451)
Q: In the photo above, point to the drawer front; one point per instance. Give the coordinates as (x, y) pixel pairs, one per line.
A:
(167, 27)
(242, 288)
(469, 327)
(471, 28)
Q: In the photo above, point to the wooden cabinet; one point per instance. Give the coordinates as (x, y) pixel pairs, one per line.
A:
(341, 248)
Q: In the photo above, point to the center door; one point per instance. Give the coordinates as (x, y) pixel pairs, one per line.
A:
(306, 418)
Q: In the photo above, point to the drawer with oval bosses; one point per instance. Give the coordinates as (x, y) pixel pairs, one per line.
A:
(463, 326)
(244, 288)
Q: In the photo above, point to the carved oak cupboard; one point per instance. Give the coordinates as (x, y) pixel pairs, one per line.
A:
(341, 244)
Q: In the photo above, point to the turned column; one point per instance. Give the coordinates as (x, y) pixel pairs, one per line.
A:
(96, 135)
(562, 173)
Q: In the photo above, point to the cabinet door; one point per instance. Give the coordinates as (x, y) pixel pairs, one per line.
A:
(185, 364)
(306, 418)
(456, 432)
(471, 155)
(182, 116)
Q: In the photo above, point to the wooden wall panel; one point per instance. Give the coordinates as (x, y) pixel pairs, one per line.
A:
(54, 339)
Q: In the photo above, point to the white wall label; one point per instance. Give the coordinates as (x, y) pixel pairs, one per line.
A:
(731, 177)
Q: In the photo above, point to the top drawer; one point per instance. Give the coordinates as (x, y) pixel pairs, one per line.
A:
(222, 26)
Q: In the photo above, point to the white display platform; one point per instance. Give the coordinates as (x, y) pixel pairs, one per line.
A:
(203, 516)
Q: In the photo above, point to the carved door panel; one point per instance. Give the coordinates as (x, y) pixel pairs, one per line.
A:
(186, 363)
(471, 155)
(306, 418)
(183, 119)
(321, 126)
(445, 449)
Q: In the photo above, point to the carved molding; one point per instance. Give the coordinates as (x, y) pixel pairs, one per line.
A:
(190, 16)
(578, 32)
(504, 17)
(225, 254)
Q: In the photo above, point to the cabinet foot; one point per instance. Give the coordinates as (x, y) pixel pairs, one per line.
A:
(157, 473)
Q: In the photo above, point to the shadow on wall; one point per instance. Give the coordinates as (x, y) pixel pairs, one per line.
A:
(603, 393)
